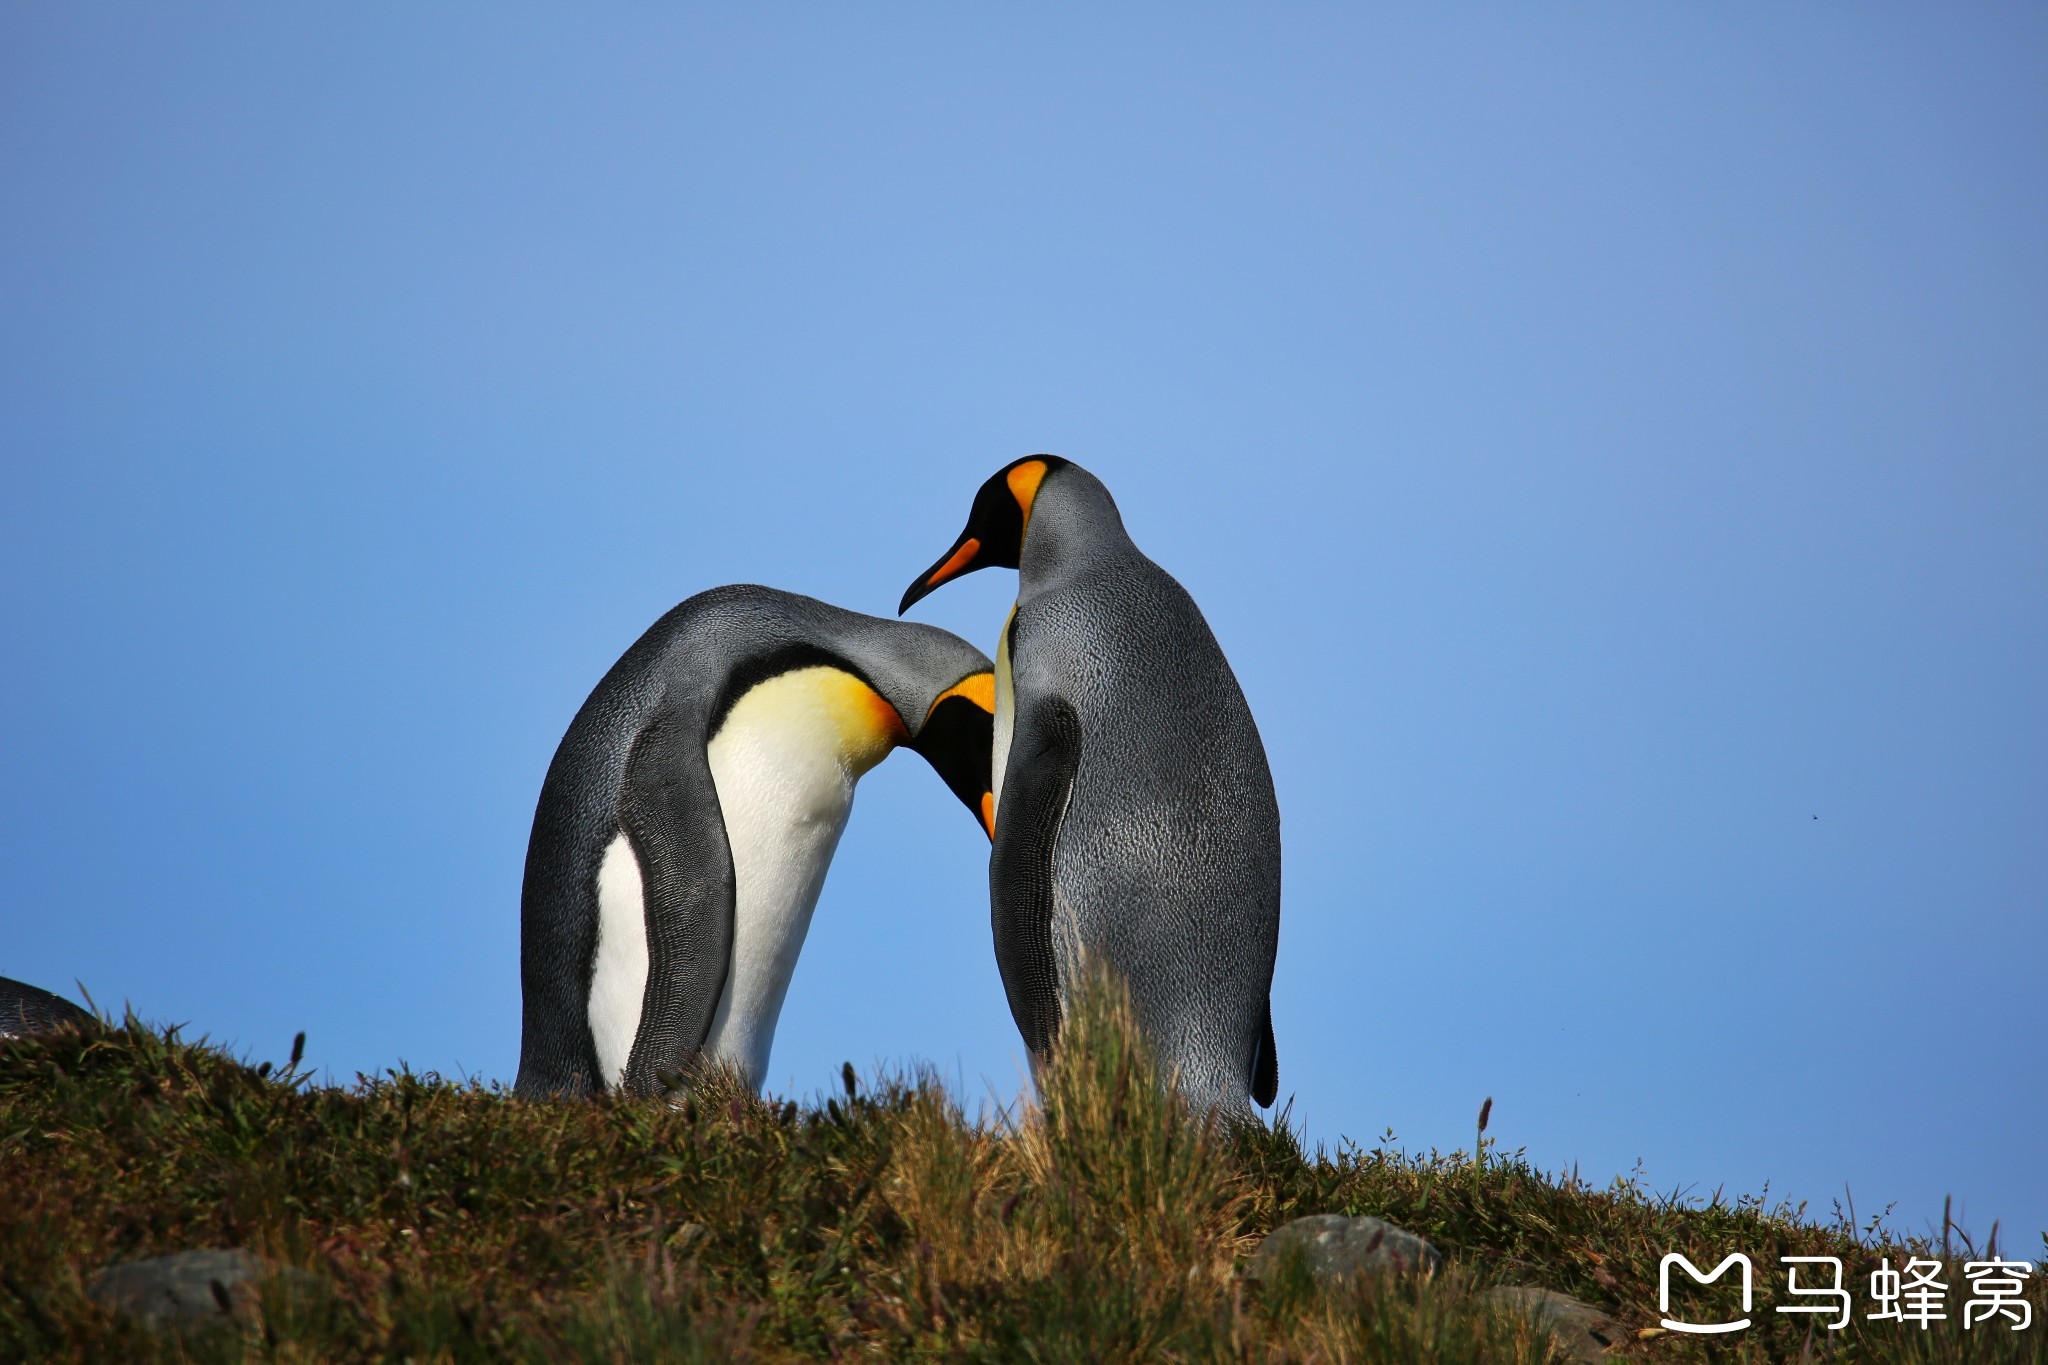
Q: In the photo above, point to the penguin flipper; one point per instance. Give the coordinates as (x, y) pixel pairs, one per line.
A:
(1045, 752)
(668, 808)
(1266, 1066)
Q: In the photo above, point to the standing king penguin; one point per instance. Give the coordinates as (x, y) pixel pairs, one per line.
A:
(1135, 822)
(687, 820)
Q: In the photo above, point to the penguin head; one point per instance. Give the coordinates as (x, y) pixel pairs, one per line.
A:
(994, 537)
(957, 738)
(942, 691)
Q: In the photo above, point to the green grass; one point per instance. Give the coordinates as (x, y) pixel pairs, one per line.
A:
(450, 1222)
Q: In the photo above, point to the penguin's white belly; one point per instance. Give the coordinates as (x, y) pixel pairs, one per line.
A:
(618, 970)
(785, 805)
(784, 764)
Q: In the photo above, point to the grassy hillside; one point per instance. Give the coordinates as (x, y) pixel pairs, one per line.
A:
(441, 1221)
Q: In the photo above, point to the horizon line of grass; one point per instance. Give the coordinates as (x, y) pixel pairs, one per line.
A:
(448, 1220)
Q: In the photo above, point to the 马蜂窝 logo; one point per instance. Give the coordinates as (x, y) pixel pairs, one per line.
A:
(1915, 1293)
(1699, 1276)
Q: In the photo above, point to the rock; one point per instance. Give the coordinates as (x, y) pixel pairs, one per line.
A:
(187, 1286)
(1336, 1248)
(1584, 1333)
(26, 1009)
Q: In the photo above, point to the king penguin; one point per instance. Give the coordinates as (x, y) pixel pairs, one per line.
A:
(1135, 822)
(687, 820)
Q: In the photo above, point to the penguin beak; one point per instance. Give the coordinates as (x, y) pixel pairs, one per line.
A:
(963, 558)
(958, 740)
(994, 538)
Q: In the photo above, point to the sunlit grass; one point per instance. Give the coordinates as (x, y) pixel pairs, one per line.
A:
(449, 1221)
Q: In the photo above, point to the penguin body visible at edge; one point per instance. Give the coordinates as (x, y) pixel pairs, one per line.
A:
(687, 820)
(26, 1009)
(1135, 818)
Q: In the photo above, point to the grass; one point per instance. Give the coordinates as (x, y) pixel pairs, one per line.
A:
(451, 1222)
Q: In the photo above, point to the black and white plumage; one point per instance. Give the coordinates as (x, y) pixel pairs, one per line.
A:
(1135, 819)
(26, 1009)
(688, 818)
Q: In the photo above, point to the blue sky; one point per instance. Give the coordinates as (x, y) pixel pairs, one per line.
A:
(1605, 438)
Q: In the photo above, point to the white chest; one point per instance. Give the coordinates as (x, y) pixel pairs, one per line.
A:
(784, 765)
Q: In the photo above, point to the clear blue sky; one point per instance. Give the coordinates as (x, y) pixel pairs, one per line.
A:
(1605, 438)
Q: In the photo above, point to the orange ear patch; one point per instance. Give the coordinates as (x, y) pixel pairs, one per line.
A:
(886, 723)
(962, 557)
(988, 813)
(979, 688)
(1024, 481)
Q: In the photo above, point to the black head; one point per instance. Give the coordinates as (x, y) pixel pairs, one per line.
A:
(958, 740)
(994, 537)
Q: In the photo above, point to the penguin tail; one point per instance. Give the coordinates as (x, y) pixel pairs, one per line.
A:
(1266, 1065)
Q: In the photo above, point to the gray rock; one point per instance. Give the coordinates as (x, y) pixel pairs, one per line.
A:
(1336, 1248)
(187, 1286)
(1584, 1333)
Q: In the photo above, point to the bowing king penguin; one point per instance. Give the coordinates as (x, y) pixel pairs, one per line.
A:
(1135, 822)
(687, 820)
